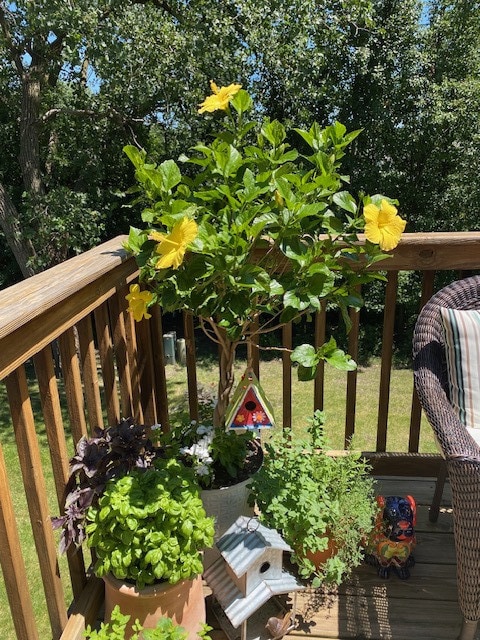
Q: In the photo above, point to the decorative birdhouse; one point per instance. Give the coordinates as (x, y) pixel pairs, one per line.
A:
(249, 571)
(249, 407)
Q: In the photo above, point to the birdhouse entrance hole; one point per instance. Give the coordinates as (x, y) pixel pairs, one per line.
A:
(265, 567)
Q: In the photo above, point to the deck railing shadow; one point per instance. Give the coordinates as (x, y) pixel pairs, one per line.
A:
(75, 314)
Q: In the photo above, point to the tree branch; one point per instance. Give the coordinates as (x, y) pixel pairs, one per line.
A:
(90, 113)
(14, 51)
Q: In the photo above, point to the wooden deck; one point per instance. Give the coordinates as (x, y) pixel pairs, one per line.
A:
(423, 607)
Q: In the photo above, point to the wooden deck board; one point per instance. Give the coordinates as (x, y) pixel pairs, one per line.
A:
(368, 608)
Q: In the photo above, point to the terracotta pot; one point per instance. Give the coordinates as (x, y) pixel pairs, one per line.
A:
(184, 602)
(320, 557)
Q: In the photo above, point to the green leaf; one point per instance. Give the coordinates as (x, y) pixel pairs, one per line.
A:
(305, 355)
(136, 238)
(345, 201)
(274, 132)
(170, 173)
(228, 160)
(136, 157)
(241, 101)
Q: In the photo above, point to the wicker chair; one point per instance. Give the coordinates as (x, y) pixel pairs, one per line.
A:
(460, 451)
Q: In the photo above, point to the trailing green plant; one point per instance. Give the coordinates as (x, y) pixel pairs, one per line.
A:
(150, 525)
(166, 629)
(313, 498)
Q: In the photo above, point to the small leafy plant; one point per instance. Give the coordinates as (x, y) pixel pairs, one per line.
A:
(218, 457)
(312, 499)
(150, 525)
(108, 454)
(166, 629)
(138, 507)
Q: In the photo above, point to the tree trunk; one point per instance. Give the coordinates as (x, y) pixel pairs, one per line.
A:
(21, 247)
(225, 381)
(29, 155)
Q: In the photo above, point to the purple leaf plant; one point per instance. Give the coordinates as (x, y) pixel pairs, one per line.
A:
(109, 453)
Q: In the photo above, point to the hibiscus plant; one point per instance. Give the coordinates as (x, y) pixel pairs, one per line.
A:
(255, 229)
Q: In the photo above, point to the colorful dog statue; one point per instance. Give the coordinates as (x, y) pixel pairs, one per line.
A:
(391, 544)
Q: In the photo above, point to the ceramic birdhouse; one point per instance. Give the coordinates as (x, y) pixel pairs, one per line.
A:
(249, 407)
(249, 571)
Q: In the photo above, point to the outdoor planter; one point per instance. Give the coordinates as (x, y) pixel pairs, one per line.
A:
(183, 602)
(225, 504)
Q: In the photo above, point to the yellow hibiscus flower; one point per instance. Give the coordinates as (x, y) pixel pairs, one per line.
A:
(383, 225)
(220, 97)
(172, 247)
(138, 301)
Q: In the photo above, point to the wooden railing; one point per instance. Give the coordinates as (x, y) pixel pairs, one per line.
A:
(70, 324)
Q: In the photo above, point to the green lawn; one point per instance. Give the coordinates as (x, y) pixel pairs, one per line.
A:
(270, 376)
(7, 441)
(335, 394)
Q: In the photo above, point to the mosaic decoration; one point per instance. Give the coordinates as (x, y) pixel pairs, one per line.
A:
(393, 539)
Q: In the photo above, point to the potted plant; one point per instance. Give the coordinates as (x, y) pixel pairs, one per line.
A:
(140, 511)
(252, 230)
(255, 231)
(323, 506)
(116, 629)
(224, 463)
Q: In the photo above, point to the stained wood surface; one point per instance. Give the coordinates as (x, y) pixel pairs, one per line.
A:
(387, 353)
(12, 563)
(369, 608)
(36, 494)
(85, 611)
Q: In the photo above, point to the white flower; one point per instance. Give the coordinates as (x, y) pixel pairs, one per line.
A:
(156, 427)
(202, 470)
(187, 451)
(203, 430)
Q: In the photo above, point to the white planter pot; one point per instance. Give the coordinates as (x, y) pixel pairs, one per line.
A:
(225, 505)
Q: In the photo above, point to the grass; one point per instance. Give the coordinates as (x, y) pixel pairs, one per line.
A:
(302, 393)
(7, 441)
(368, 382)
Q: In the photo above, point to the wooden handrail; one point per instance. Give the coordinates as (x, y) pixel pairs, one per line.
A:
(38, 310)
(23, 302)
(109, 367)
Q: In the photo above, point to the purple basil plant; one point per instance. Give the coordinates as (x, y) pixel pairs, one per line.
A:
(109, 453)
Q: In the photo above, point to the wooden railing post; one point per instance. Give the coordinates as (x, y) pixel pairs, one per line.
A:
(36, 494)
(13, 566)
(387, 351)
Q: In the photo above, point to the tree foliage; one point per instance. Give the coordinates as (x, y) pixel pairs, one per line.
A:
(79, 80)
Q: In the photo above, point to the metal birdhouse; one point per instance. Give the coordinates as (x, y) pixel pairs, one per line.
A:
(249, 407)
(249, 570)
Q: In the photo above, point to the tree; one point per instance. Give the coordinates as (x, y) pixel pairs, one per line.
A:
(80, 80)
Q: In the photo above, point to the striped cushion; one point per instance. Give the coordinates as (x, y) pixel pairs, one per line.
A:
(462, 347)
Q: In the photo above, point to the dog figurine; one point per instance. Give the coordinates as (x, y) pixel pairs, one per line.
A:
(391, 544)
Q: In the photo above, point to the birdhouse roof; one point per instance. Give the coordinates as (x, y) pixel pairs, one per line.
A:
(245, 541)
(249, 407)
(235, 605)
